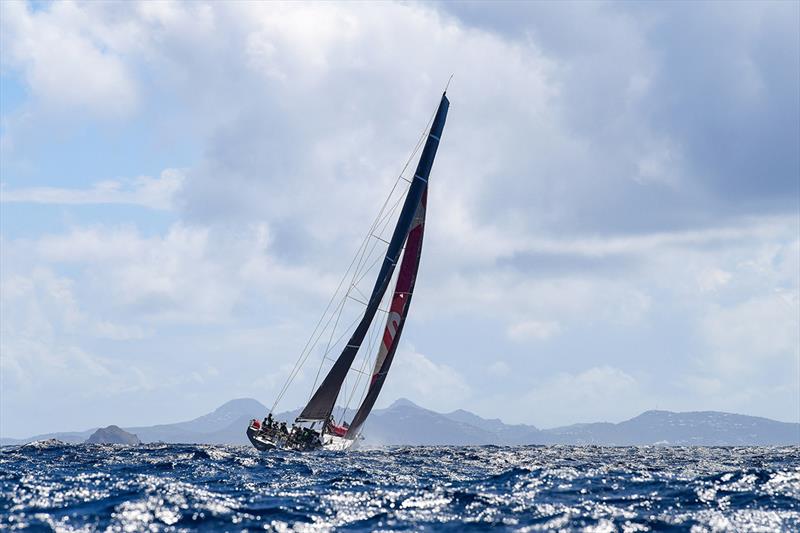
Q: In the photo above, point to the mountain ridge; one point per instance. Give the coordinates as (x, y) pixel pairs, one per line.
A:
(406, 423)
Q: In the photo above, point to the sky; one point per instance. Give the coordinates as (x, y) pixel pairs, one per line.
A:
(613, 217)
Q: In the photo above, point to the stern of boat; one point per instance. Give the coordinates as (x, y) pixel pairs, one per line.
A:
(258, 439)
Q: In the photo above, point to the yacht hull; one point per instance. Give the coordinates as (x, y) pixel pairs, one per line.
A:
(336, 444)
(264, 442)
(260, 441)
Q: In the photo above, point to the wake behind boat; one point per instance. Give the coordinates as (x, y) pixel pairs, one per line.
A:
(315, 427)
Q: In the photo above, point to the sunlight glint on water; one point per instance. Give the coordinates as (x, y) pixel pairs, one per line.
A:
(166, 487)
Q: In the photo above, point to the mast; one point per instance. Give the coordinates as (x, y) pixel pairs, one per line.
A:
(401, 302)
(322, 402)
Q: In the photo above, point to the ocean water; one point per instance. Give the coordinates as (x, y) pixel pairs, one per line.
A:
(186, 487)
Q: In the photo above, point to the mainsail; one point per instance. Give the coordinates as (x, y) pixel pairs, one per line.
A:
(322, 402)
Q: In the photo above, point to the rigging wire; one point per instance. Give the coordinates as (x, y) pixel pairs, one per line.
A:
(309, 346)
(376, 329)
(360, 272)
(353, 285)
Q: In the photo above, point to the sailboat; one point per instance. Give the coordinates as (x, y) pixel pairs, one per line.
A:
(315, 427)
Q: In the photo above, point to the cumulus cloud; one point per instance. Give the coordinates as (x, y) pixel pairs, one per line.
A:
(420, 379)
(605, 185)
(596, 394)
(42, 350)
(68, 65)
(41, 304)
(668, 112)
(190, 274)
(154, 193)
(758, 333)
(110, 325)
(608, 144)
(533, 329)
(499, 369)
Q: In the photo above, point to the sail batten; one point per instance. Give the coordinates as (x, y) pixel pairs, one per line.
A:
(322, 402)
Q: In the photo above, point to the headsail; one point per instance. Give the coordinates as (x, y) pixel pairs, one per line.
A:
(401, 302)
(321, 403)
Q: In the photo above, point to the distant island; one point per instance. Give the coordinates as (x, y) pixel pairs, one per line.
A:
(405, 423)
(112, 435)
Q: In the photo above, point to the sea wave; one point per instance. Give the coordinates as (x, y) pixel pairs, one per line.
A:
(52, 485)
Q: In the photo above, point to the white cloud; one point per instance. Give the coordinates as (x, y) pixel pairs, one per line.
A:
(533, 329)
(198, 275)
(657, 165)
(108, 328)
(499, 369)
(67, 65)
(41, 305)
(423, 381)
(41, 335)
(189, 274)
(176, 277)
(304, 113)
(600, 393)
(712, 279)
(508, 296)
(746, 337)
(153, 193)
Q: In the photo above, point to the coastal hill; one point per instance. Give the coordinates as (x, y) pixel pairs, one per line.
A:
(407, 423)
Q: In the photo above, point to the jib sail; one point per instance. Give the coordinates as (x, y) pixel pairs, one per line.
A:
(398, 311)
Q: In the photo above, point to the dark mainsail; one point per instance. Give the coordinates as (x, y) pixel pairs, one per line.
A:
(398, 311)
(322, 402)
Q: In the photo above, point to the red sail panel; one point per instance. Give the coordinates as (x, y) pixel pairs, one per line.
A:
(398, 311)
(405, 280)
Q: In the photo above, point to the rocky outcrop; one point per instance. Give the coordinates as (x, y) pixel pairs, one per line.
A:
(113, 435)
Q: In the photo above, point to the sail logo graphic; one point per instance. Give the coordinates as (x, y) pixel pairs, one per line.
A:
(392, 323)
(391, 329)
